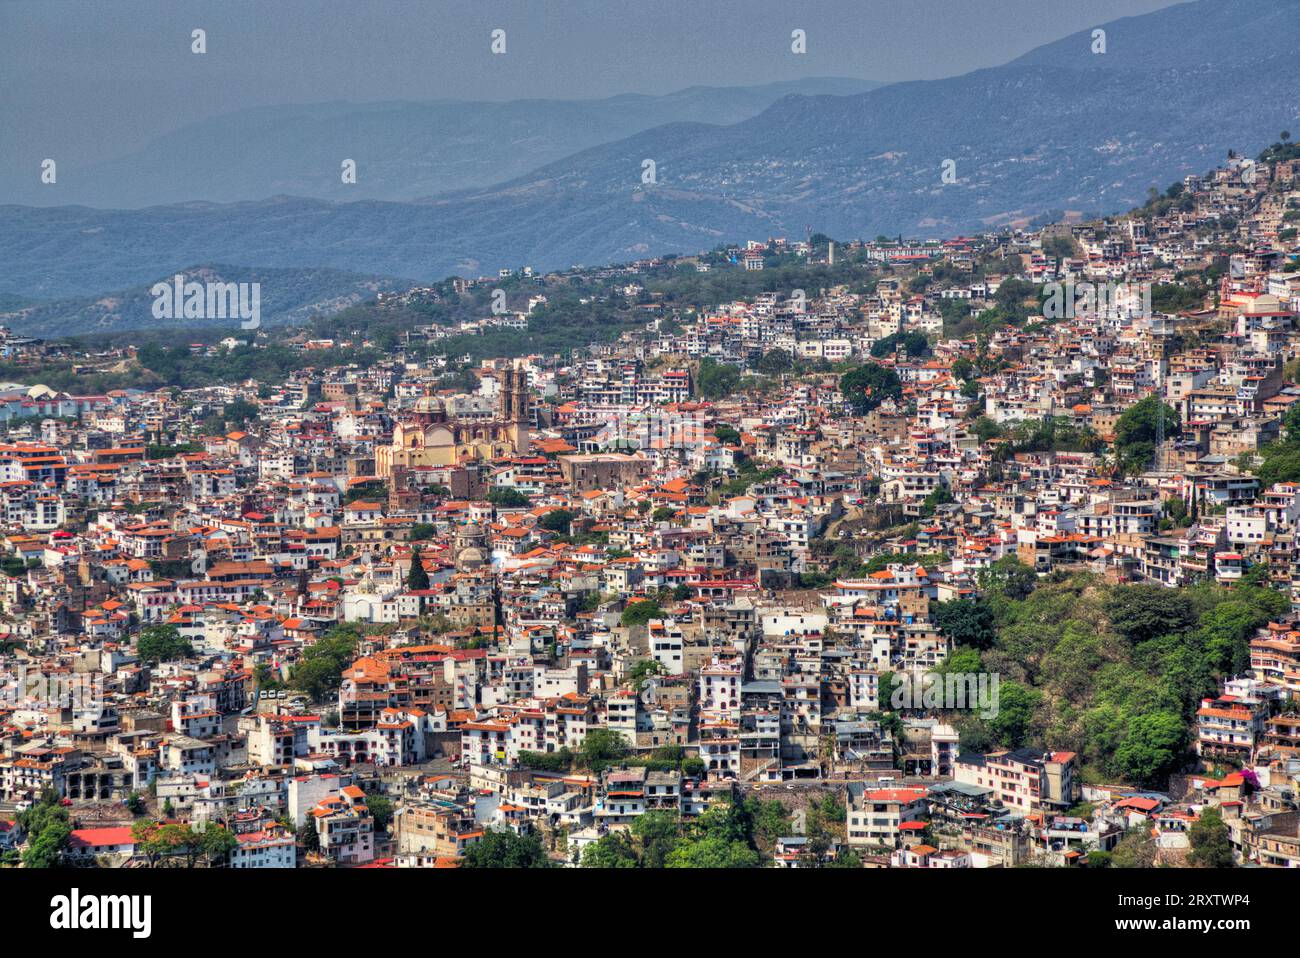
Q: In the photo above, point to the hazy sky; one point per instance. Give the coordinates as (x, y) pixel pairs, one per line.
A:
(102, 76)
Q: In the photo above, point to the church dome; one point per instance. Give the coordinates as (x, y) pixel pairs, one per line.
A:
(430, 406)
(470, 559)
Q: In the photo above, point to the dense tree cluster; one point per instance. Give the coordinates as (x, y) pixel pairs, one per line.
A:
(867, 386)
(603, 748)
(639, 613)
(164, 843)
(716, 380)
(49, 828)
(1114, 673)
(320, 671)
(161, 643)
(912, 343)
(502, 849)
(729, 834)
(1282, 458)
(1137, 429)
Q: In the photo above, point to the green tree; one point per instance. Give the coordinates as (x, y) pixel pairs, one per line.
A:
(558, 520)
(309, 837)
(712, 852)
(1281, 464)
(506, 498)
(657, 833)
(725, 819)
(417, 579)
(986, 429)
(1009, 578)
(557, 761)
(602, 747)
(320, 670)
(912, 342)
(1059, 246)
(847, 858)
(1210, 843)
(612, 850)
(939, 495)
(1136, 430)
(1153, 747)
(240, 413)
(48, 828)
(1224, 632)
(962, 661)
(1016, 706)
(886, 684)
(216, 844)
(771, 820)
(381, 810)
(774, 362)
(645, 667)
(639, 613)
(163, 842)
(869, 385)
(716, 380)
(504, 849)
(967, 622)
(1141, 612)
(161, 643)
(47, 848)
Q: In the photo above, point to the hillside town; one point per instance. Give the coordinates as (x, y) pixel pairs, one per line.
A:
(985, 555)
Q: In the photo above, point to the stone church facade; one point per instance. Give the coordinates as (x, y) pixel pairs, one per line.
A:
(429, 437)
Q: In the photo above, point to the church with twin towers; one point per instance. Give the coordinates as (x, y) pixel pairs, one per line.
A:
(427, 436)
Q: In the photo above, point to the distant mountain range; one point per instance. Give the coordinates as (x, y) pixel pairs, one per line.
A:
(1060, 128)
(403, 150)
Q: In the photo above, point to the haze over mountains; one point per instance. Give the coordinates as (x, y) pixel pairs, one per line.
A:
(1059, 128)
(403, 150)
